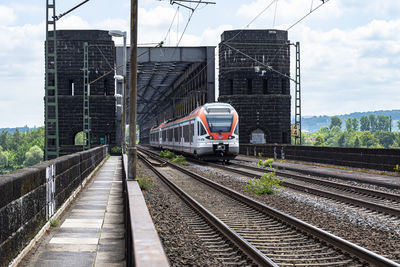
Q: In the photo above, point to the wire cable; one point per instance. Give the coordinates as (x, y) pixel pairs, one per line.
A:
(276, 6)
(256, 17)
(311, 11)
(170, 26)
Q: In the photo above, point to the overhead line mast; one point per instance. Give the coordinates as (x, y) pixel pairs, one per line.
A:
(52, 140)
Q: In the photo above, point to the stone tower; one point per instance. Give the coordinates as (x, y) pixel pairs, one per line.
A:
(254, 66)
(70, 63)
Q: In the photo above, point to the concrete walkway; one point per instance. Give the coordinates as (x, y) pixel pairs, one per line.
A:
(93, 233)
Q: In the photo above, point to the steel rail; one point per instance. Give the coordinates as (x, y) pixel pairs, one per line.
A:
(352, 188)
(253, 253)
(344, 245)
(343, 198)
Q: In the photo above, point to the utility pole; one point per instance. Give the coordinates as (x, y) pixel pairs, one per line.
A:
(132, 150)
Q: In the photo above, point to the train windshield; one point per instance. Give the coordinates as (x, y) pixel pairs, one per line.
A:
(220, 123)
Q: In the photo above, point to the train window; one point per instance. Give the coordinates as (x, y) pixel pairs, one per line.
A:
(170, 134)
(237, 129)
(176, 134)
(221, 123)
(202, 129)
(186, 133)
(164, 135)
(191, 132)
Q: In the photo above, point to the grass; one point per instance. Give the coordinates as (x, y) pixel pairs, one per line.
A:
(145, 182)
(265, 163)
(266, 184)
(180, 160)
(397, 169)
(167, 154)
(54, 223)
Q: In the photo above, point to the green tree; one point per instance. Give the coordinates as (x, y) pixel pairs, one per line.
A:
(319, 141)
(335, 121)
(398, 125)
(365, 124)
(372, 122)
(368, 140)
(342, 140)
(33, 156)
(383, 123)
(354, 123)
(349, 124)
(386, 139)
(3, 159)
(357, 142)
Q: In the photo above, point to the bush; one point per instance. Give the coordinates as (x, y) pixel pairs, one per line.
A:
(167, 154)
(116, 150)
(180, 160)
(145, 182)
(266, 184)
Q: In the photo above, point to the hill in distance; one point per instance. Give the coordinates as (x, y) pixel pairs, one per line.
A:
(20, 129)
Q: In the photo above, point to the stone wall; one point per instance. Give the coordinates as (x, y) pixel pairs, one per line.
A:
(249, 62)
(377, 159)
(70, 60)
(23, 197)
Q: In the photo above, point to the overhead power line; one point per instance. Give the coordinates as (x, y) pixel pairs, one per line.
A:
(311, 11)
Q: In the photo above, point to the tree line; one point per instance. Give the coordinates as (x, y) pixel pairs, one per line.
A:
(370, 132)
(19, 150)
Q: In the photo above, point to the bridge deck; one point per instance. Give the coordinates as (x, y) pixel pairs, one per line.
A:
(93, 232)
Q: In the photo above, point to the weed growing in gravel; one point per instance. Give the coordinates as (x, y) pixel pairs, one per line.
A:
(260, 155)
(167, 154)
(266, 184)
(54, 223)
(397, 169)
(180, 160)
(145, 182)
(265, 163)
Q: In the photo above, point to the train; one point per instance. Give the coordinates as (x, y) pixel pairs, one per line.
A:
(210, 132)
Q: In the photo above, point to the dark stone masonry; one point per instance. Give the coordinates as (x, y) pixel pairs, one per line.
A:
(23, 197)
(253, 70)
(70, 60)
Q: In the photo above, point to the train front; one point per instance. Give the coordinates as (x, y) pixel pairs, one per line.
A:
(222, 126)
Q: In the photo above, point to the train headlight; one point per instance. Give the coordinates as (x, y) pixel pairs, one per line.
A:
(209, 137)
(231, 137)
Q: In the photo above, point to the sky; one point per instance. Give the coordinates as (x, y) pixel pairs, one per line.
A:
(350, 49)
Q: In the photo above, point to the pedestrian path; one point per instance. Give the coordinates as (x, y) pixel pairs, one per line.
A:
(93, 234)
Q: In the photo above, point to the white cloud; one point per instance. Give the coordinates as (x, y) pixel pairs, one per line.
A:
(287, 12)
(358, 68)
(7, 15)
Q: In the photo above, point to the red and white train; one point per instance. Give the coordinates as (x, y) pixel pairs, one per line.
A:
(210, 131)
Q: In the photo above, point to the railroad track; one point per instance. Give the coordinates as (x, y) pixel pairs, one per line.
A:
(270, 237)
(374, 200)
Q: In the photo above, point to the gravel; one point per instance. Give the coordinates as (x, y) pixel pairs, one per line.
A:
(378, 233)
(181, 245)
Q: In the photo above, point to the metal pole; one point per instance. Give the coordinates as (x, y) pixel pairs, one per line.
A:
(132, 152)
(124, 98)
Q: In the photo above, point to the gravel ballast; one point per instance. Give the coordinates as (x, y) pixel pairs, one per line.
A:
(378, 233)
(182, 246)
